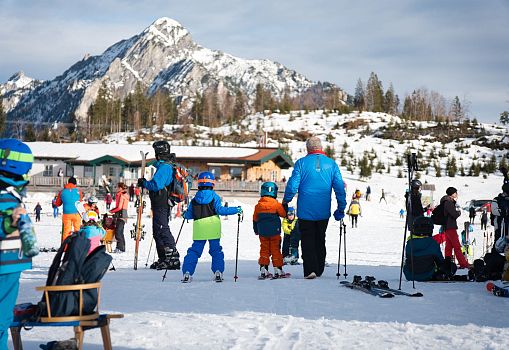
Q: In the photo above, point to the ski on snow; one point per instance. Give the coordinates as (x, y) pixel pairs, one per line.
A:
(366, 288)
(498, 291)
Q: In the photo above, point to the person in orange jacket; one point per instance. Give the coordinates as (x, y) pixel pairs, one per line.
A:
(267, 226)
(68, 196)
(120, 212)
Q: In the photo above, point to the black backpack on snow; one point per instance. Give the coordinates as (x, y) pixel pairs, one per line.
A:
(72, 266)
(438, 215)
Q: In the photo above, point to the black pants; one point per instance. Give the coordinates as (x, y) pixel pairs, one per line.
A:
(119, 234)
(37, 217)
(313, 245)
(161, 230)
(484, 224)
(354, 219)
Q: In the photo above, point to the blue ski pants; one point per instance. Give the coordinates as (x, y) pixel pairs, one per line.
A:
(8, 293)
(195, 251)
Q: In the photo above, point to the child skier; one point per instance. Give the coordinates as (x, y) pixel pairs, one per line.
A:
(291, 238)
(354, 210)
(92, 229)
(17, 238)
(267, 226)
(205, 209)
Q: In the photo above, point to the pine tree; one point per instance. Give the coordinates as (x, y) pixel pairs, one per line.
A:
(374, 96)
(390, 101)
(457, 111)
(365, 166)
(358, 100)
(330, 152)
(451, 167)
(29, 135)
(437, 169)
(239, 109)
(504, 117)
(503, 163)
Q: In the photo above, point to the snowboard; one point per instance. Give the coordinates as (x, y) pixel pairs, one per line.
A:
(497, 291)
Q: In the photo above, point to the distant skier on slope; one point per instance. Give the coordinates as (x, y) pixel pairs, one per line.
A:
(354, 210)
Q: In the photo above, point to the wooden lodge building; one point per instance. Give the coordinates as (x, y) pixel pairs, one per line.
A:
(92, 162)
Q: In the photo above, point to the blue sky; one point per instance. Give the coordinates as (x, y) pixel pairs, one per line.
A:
(455, 47)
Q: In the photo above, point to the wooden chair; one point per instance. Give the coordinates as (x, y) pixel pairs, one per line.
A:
(80, 322)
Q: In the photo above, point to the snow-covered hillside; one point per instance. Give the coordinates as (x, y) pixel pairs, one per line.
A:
(287, 314)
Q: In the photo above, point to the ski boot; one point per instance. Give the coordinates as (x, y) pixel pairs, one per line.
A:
(218, 276)
(264, 272)
(187, 278)
(278, 272)
(171, 260)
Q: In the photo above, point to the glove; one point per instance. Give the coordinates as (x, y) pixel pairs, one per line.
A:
(140, 182)
(239, 210)
(338, 215)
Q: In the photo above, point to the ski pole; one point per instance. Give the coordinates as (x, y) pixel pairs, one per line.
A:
(181, 226)
(149, 250)
(339, 250)
(239, 219)
(344, 246)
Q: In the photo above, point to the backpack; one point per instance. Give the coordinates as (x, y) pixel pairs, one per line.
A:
(71, 265)
(178, 190)
(438, 215)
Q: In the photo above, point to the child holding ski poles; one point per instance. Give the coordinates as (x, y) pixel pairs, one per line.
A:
(205, 209)
(267, 225)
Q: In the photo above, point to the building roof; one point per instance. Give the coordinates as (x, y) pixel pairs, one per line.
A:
(129, 154)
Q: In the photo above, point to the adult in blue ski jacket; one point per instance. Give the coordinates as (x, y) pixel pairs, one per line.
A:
(17, 240)
(313, 178)
(158, 193)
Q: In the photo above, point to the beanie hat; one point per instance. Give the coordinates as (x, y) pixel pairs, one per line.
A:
(313, 144)
(450, 191)
(72, 180)
(423, 226)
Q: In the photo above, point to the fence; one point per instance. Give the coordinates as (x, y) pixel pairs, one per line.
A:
(56, 181)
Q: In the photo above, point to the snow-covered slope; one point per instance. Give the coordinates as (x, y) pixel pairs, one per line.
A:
(165, 56)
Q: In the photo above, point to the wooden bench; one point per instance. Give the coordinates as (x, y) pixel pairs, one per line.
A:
(80, 322)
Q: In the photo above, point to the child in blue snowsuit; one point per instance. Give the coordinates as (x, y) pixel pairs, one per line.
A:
(17, 239)
(205, 209)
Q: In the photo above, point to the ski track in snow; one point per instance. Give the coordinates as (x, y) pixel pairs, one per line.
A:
(292, 313)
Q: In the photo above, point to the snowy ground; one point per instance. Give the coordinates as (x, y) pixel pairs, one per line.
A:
(292, 313)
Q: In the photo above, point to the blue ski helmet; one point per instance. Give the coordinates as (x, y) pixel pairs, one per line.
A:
(291, 210)
(269, 189)
(15, 157)
(206, 179)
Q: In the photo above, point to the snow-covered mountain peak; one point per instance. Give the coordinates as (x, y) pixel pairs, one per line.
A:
(17, 81)
(169, 31)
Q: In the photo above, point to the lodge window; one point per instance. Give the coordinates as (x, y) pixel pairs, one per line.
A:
(112, 172)
(216, 171)
(236, 173)
(48, 170)
(88, 171)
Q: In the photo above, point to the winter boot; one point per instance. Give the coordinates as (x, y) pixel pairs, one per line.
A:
(171, 261)
(264, 272)
(218, 276)
(187, 278)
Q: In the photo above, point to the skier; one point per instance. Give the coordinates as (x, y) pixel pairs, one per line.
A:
(424, 251)
(92, 229)
(168, 256)
(37, 211)
(291, 238)
(414, 205)
(267, 226)
(500, 212)
(354, 210)
(15, 228)
(401, 213)
(120, 212)
(368, 193)
(452, 212)
(108, 199)
(314, 177)
(382, 197)
(205, 209)
(484, 219)
(55, 207)
(71, 219)
(471, 214)
(131, 192)
(91, 204)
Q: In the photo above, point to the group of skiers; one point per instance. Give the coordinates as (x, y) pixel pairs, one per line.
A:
(424, 259)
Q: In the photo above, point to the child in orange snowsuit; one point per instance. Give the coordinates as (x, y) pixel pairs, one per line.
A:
(267, 225)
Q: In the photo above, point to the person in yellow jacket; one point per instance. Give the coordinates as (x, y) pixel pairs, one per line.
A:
(291, 238)
(354, 210)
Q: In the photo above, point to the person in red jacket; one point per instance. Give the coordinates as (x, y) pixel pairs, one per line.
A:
(120, 212)
(452, 212)
(108, 200)
(267, 225)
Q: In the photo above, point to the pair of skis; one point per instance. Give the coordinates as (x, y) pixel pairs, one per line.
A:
(137, 233)
(271, 276)
(380, 289)
(498, 291)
